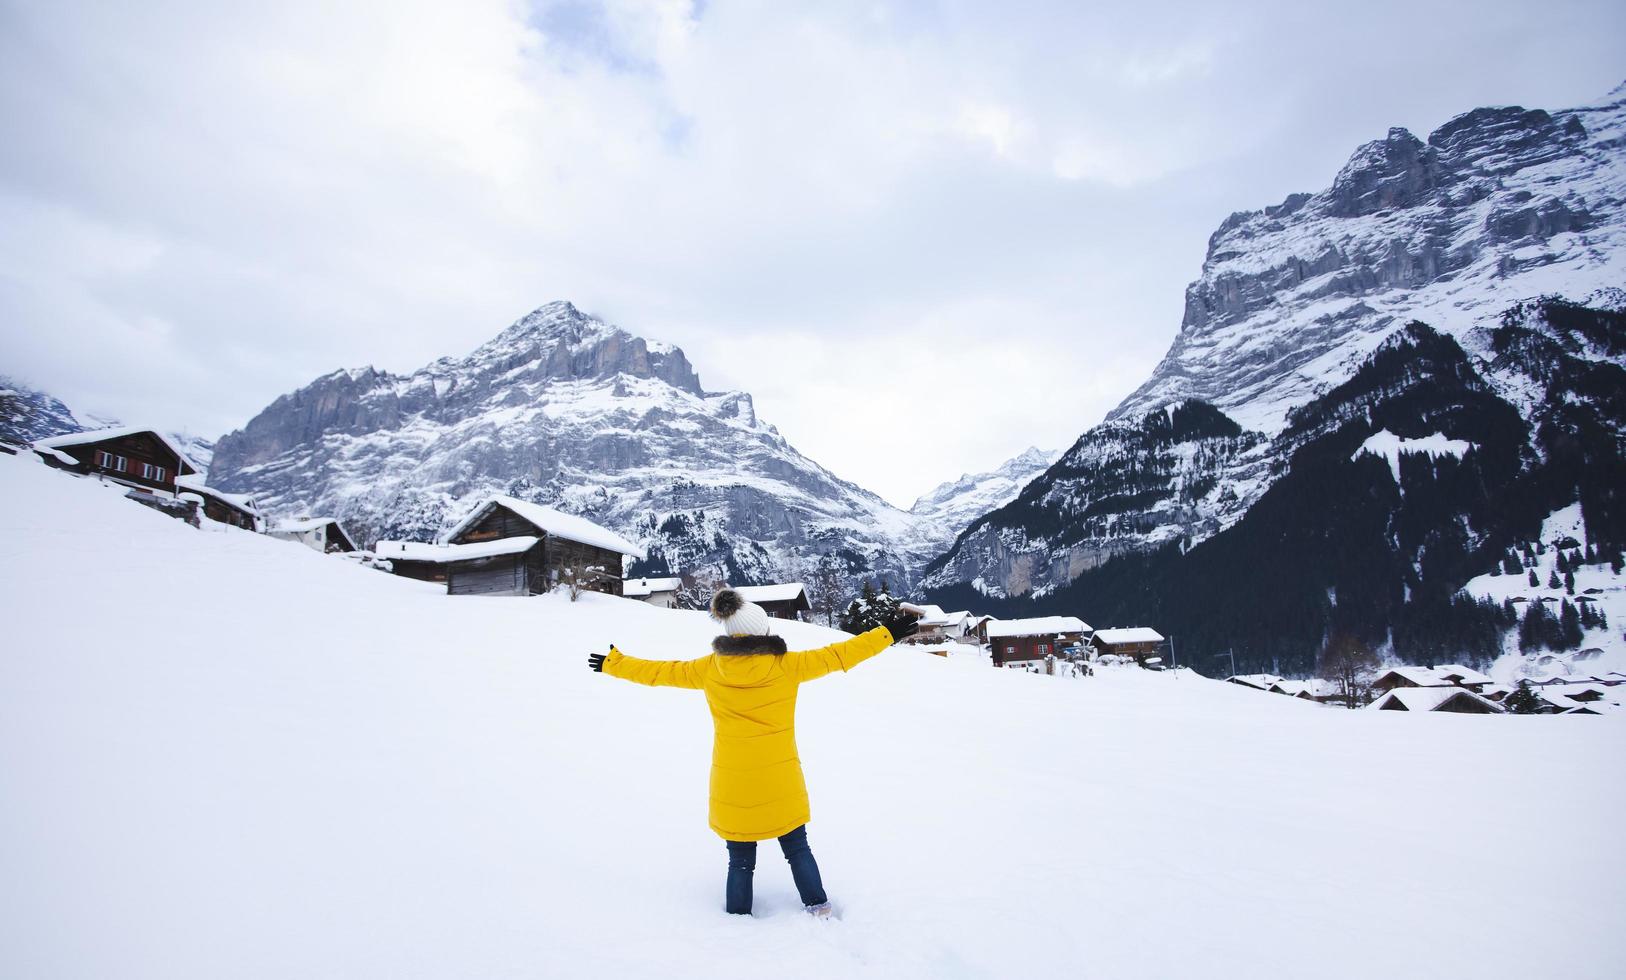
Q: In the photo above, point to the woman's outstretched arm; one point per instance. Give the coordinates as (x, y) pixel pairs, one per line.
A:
(806, 665)
(655, 673)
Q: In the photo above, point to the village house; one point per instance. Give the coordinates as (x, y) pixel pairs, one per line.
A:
(1019, 642)
(935, 624)
(1455, 700)
(1447, 675)
(237, 509)
(977, 627)
(1140, 643)
(564, 545)
(784, 601)
(141, 459)
(322, 534)
(660, 592)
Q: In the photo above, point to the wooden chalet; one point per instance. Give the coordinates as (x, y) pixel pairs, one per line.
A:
(235, 509)
(141, 459)
(414, 559)
(1019, 642)
(785, 601)
(977, 626)
(660, 592)
(508, 546)
(322, 534)
(1259, 682)
(1454, 700)
(1139, 642)
(1447, 675)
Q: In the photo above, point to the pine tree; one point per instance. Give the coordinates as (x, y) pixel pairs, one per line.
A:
(1534, 582)
(1510, 563)
(1569, 625)
(1533, 628)
(1615, 562)
(1560, 563)
(1524, 701)
(1591, 553)
(1569, 582)
(1553, 581)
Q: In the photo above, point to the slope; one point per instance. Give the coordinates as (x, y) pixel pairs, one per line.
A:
(229, 756)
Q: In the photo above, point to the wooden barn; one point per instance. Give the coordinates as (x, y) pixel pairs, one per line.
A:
(1138, 642)
(236, 509)
(322, 534)
(414, 559)
(786, 601)
(562, 543)
(139, 458)
(1018, 642)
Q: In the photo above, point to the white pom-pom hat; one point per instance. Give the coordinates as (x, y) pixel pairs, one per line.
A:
(739, 618)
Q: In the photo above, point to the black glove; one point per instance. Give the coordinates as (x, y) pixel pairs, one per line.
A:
(596, 661)
(903, 628)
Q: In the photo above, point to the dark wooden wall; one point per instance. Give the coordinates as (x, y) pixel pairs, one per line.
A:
(501, 575)
(423, 571)
(137, 448)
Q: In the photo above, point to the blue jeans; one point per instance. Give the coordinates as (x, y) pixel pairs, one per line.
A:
(742, 865)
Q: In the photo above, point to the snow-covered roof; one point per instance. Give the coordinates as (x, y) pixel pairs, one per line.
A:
(1421, 676)
(1429, 698)
(1131, 634)
(637, 588)
(305, 524)
(554, 522)
(1038, 626)
(1315, 687)
(786, 592)
(194, 482)
(1261, 681)
(1467, 675)
(442, 553)
(118, 432)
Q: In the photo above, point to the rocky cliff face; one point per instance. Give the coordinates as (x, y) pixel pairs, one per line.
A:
(567, 410)
(1498, 206)
(27, 414)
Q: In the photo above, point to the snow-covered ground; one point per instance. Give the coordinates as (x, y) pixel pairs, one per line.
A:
(223, 755)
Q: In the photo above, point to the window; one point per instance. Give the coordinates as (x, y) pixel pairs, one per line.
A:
(1009, 651)
(108, 461)
(1044, 648)
(151, 472)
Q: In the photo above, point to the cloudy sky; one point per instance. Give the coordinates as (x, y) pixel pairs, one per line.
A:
(923, 235)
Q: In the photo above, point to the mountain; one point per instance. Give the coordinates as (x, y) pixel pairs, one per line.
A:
(956, 503)
(1500, 206)
(27, 414)
(564, 409)
(1435, 464)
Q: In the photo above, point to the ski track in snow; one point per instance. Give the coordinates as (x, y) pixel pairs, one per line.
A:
(227, 755)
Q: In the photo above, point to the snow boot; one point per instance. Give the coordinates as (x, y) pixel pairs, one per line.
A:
(822, 911)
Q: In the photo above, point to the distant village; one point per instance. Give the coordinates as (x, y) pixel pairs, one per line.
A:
(505, 546)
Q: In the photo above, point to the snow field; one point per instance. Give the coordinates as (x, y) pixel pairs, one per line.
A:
(227, 755)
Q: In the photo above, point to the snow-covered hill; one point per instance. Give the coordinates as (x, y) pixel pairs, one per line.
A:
(564, 409)
(295, 766)
(1499, 207)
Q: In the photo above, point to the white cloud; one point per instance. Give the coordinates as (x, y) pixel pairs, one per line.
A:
(208, 204)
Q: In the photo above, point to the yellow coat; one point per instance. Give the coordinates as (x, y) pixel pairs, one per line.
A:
(757, 791)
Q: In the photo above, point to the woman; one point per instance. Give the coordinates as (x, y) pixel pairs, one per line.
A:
(757, 791)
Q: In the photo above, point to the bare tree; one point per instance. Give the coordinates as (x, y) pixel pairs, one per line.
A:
(577, 579)
(1351, 665)
(696, 588)
(824, 589)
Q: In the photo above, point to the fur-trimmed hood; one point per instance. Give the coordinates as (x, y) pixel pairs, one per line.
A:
(745, 646)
